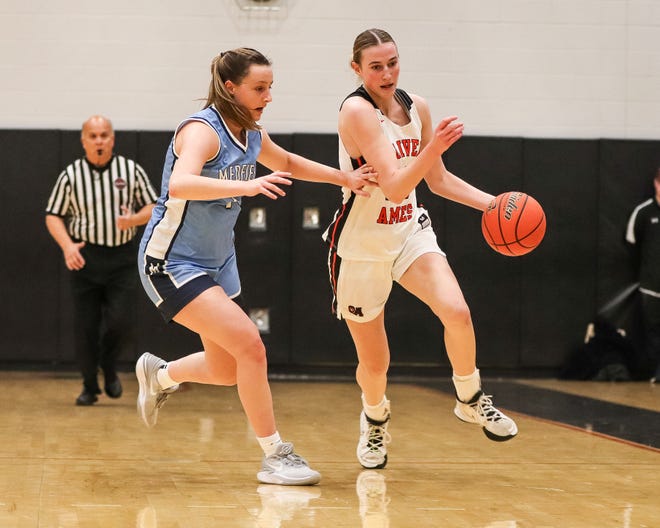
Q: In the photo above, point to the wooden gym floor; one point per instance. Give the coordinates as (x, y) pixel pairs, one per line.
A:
(587, 455)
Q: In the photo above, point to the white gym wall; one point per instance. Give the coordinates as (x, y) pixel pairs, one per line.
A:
(532, 68)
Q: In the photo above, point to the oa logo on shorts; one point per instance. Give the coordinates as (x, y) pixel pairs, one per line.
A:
(356, 310)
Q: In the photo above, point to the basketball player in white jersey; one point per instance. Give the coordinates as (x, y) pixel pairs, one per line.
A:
(386, 237)
(187, 259)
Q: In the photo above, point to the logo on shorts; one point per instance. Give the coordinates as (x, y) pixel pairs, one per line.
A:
(424, 221)
(154, 267)
(356, 310)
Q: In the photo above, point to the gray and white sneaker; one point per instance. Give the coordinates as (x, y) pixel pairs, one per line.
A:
(286, 468)
(480, 410)
(372, 445)
(151, 396)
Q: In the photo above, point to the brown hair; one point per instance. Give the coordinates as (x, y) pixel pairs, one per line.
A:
(233, 65)
(368, 38)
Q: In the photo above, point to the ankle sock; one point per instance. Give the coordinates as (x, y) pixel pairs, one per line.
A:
(467, 386)
(164, 380)
(378, 413)
(269, 443)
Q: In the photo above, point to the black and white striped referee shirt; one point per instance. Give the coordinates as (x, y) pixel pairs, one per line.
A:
(90, 198)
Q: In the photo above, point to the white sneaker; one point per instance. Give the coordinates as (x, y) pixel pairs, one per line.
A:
(151, 396)
(479, 410)
(286, 468)
(372, 445)
(371, 490)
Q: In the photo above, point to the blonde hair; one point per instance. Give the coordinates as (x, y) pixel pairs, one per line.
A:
(233, 65)
(368, 38)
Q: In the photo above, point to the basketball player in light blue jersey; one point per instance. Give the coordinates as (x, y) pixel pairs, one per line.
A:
(187, 260)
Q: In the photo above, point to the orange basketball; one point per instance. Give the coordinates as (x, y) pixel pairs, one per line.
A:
(513, 224)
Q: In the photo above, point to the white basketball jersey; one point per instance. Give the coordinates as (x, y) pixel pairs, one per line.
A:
(373, 228)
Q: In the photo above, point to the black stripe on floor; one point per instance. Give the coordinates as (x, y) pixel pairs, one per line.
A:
(631, 424)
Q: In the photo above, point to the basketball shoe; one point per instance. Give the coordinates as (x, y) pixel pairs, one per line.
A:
(372, 446)
(151, 396)
(479, 410)
(286, 468)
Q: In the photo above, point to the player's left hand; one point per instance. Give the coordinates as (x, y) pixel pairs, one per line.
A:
(360, 178)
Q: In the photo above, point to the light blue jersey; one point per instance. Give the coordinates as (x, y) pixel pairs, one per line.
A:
(186, 239)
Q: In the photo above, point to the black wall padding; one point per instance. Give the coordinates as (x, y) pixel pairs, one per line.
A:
(490, 281)
(30, 279)
(528, 311)
(264, 263)
(558, 281)
(318, 338)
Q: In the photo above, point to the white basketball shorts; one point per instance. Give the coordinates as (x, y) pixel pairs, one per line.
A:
(363, 287)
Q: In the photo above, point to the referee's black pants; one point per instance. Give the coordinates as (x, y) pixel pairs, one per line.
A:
(104, 294)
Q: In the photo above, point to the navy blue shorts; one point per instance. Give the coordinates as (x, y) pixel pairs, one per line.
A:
(171, 285)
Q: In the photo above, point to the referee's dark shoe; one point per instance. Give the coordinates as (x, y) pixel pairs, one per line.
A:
(86, 398)
(113, 388)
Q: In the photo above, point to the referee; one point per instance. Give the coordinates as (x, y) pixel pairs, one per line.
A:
(93, 214)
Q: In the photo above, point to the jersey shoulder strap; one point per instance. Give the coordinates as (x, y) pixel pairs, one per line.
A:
(400, 95)
(403, 98)
(360, 92)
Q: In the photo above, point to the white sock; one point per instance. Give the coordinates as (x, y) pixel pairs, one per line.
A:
(164, 380)
(269, 443)
(467, 386)
(378, 412)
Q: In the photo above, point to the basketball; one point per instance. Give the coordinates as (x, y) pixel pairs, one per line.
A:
(513, 224)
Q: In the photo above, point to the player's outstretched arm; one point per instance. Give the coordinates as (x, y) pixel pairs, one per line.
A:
(278, 159)
(195, 144)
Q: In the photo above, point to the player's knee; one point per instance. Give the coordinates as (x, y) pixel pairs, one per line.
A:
(375, 367)
(253, 351)
(457, 314)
